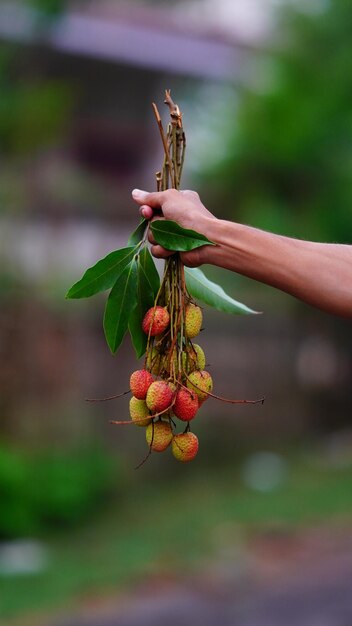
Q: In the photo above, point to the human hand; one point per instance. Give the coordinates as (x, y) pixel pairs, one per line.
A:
(185, 208)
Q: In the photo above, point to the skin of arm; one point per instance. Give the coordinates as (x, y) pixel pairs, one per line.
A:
(319, 274)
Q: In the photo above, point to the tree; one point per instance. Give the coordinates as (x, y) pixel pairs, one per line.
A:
(289, 167)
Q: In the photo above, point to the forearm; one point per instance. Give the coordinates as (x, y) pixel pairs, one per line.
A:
(319, 274)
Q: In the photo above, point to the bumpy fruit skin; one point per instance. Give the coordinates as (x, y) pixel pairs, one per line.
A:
(193, 320)
(154, 362)
(184, 446)
(186, 405)
(200, 356)
(139, 410)
(159, 396)
(193, 359)
(156, 320)
(170, 362)
(201, 383)
(158, 436)
(140, 382)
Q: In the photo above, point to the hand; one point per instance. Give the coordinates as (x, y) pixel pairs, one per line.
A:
(185, 208)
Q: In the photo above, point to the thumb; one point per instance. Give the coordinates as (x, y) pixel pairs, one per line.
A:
(155, 199)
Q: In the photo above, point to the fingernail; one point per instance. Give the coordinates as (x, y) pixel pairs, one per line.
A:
(138, 193)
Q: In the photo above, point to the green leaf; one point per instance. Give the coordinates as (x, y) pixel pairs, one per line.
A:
(137, 234)
(150, 271)
(201, 288)
(145, 300)
(120, 303)
(103, 274)
(173, 237)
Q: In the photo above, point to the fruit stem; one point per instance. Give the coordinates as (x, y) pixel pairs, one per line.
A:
(119, 395)
(212, 395)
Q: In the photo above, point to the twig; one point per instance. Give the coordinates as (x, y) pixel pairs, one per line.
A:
(166, 150)
(212, 395)
(108, 398)
(175, 113)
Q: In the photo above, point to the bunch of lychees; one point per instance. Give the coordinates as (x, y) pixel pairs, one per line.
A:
(174, 382)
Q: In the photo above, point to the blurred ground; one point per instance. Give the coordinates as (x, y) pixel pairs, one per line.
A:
(287, 578)
(205, 536)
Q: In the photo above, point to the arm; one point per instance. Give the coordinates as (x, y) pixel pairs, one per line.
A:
(317, 273)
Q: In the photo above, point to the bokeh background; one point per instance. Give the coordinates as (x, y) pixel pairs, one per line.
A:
(257, 531)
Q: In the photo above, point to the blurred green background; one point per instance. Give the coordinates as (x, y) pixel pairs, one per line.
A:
(266, 91)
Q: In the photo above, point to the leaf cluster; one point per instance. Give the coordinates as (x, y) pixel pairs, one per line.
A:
(133, 279)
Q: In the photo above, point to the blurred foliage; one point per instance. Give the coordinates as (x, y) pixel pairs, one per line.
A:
(33, 112)
(49, 8)
(289, 163)
(40, 491)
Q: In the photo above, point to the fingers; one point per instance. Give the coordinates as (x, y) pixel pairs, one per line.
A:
(150, 233)
(160, 253)
(146, 212)
(149, 213)
(190, 259)
(151, 238)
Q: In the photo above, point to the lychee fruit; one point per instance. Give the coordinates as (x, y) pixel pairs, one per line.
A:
(200, 362)
(170, 362)
(158, 435)
(193, 359)
(156, 320)
(193, 320)
(154, 361)
(201, 383)
(184, 446)
(186, 405)
(140, 382)
(138, 411)
(159, 396)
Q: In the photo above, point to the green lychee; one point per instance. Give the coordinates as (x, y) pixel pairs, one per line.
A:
(140, 382)
(159, 396)
(154, 362)
(193, 359)
(156, 320)
(158, 435)
(200, 356)
(138, 411)
(186, 405)
(201, 383)
(184, 446)
(193, 320)
(170, 362)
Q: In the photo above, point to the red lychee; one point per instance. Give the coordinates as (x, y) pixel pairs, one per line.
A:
(201, 383)
(156, 320)
(139, 411)
(159, 396)
(158, 435)
(193, 320)
(184, 446)
(140, 382)
(186, 405)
